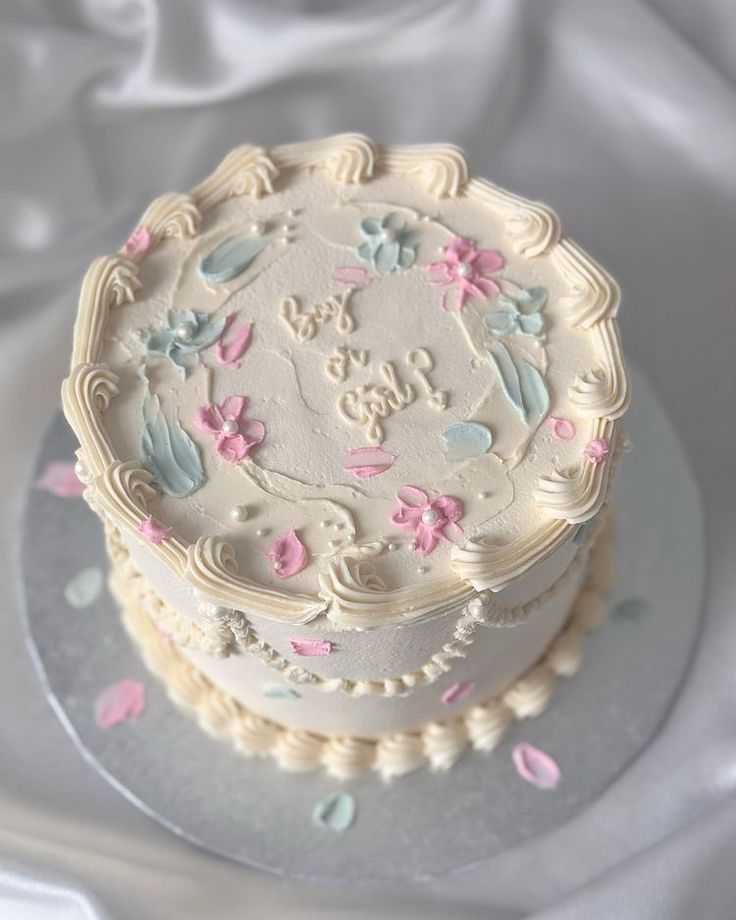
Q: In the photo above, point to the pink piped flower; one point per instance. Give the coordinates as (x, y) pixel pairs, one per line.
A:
(428, 518)
(138, 242)
(230, 354)
(597, 451)
(562, 428)
(120, 702)
(467, 267)
(236, 435)
(154, 530)
(60, 479)
(288, 555)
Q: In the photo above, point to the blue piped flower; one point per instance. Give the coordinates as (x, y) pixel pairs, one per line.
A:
(186, 334)
(522, 316)
(388, 245)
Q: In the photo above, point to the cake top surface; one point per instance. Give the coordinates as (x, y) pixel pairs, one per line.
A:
(349, 380)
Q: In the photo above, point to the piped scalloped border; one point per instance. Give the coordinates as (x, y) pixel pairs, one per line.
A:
(437, 745)
(600, 393)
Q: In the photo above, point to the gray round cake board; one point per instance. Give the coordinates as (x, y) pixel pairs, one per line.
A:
(250, 811)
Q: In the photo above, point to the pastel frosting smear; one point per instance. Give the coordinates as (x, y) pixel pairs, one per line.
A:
(60, 479)
(121, 702)
(536, 767)
(85, 587)
(335, 813)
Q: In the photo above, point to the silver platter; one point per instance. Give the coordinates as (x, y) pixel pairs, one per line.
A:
(425, 825)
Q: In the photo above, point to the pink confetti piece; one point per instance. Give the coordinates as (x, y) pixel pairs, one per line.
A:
(536, 767)
(367, 462)
(597, 451)
(288, 555)
(230, 354)
(138, 242)
(458, 692)
(350, 275)
(154, 530)
(561, 428)
(310, 648)
(60, 479)
(120, 702)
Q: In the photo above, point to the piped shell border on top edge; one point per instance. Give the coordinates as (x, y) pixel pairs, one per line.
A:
(601, 393)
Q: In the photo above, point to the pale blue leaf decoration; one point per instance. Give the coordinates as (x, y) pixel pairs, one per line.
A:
(630, 610)
(336, 812)
(464, 440)
(168, 452)
(184, 336)
(522, 383)
(521, 316)
(231, 257)
(84, 588)
(279, 692)
(387, 245)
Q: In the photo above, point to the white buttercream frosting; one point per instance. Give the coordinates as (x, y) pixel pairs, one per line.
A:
(347, 356)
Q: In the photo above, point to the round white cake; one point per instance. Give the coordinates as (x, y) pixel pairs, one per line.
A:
(350, 418)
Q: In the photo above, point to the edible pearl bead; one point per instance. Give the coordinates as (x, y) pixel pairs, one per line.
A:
(257, 228)
(284, 240)
(388, 235)
(324, 523)
(430, 516)
(422, 569)
(484, 494)
(412, 546)
(392, 547)
(464, 270)
(230, 427)
(262, 531)
(239, 513)
(185, 332)
(278, 565)
(79, 469)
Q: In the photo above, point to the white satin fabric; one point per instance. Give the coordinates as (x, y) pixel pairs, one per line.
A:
(622, 116)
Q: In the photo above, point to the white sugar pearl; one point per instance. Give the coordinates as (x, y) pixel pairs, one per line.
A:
(79, 469)
(484, 495)
(430, 516)
(262, 532)
(230, 427)
(284, 240)
(464, 270)
(257, 228)
(278, 565)
(239, 513)
(392, 547)
(422, 569)
(291, 213)
(388, 235)
(185, 332)
(412, 546)
(324, 523)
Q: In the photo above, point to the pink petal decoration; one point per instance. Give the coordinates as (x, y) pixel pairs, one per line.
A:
(350, 275)
(561, 428)
(60, 479)
(230, 354)
(310, 648)
(120, 702)
(367, 462)
(154, 530)
(597, 451)
(288, 555)
(138, 242)
(536, 767)
(458, 692)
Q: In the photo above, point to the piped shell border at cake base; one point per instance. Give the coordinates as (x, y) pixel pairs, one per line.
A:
(567, 498)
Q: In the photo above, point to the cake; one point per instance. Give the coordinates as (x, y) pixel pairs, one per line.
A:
(350, 418)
